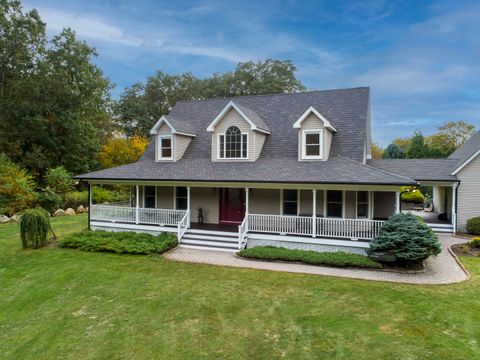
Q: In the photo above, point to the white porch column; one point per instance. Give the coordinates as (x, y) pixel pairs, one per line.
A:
(314, 213)
(188, 205)
(89, 204)
(137, 203)
(454, 207)
(247, 199)
(397, 202)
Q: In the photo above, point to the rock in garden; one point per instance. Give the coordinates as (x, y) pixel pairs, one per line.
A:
(69, 211)
(4, 219)
(86, 209)
(16, 217)
(59, 212)
(80, 209)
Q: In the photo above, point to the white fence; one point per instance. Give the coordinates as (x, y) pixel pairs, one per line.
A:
(315, 227)
(129, 215)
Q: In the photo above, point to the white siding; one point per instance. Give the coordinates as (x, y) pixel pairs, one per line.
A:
(312, 122)
(179, 143)
(468, 193)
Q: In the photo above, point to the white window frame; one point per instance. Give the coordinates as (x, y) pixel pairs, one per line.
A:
(145, 197)
(304, 144)
(225, 145)
(159, 145)
(281, 201)
(175, 197)
(368, 204)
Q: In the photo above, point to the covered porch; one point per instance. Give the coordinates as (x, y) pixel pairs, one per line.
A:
(349, 212)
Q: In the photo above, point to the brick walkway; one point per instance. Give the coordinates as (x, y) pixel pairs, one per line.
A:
(442, 269)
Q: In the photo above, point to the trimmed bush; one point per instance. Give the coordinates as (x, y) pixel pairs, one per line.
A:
(406, 239)
(34, 227)
(338, 259)
(415, 197)
(473, 225)
(119, 242)
(475, 242)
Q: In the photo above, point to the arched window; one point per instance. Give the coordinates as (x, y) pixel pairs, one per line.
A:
(233, 144)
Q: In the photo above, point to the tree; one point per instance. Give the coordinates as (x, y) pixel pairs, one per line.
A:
(403, 143)
(417, 148)
(59, 180)
(141, 105)
(449, 137)
(393, 151)
(16, 187)
(120, 151)
(406, 239)
(54, 100)
(377, 151)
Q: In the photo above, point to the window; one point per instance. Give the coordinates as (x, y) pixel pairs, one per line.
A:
(335, 203)
(362, 204)
(181, 198)
(290, 202)
(149, 196)
(233, 144)
(165, 147)
(312, 144)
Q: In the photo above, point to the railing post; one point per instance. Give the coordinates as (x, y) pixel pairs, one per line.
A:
(89, 204)
(137, 202)
(314, 213)
(454, 207)
(188, 206)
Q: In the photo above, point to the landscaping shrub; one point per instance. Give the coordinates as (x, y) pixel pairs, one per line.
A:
(339, 259)
(74, 199)
(473, 225)
(59, 180)
(415, 197)
(49, 200)
(406, 239)
(475, 242)
(34, 227)
(120, 242)
(100, 195)
(16, 187)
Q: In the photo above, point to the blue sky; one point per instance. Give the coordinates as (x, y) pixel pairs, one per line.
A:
(420, 58)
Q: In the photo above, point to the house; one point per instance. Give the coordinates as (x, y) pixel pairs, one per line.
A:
(290, 170)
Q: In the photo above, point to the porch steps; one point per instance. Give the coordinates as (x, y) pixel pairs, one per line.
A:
(441, 228)
(212, 240)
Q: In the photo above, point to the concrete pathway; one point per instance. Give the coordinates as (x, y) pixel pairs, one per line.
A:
(443, 269)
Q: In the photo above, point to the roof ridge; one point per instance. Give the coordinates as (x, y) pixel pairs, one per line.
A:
(278, 94)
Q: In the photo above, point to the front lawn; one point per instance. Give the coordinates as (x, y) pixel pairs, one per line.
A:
(61, 303)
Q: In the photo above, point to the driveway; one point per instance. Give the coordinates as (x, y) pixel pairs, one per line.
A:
(443, 269)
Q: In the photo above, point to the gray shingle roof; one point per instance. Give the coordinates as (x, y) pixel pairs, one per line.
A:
(470, 147)
(346, 109)
(254, 117)
(181, 126)
(418, 169)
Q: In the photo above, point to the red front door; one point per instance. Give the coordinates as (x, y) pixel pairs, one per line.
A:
(232, 206)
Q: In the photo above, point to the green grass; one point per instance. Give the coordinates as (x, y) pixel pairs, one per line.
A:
(119, 242)
(69, 304)
(338, 259)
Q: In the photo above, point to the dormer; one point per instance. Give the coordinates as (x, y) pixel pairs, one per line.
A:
(238, 134)
(314, 136)
(172, 138)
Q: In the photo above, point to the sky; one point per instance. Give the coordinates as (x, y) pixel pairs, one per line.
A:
(421, 59)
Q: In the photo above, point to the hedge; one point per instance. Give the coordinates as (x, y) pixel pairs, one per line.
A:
(119, 242)
(413, 197)
(473, 225)
(338, 259)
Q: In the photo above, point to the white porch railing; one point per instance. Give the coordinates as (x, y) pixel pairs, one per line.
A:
(242, 233)
(183, 225)
(353, 229)
(126, 214)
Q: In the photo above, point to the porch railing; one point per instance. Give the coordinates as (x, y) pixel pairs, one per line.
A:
(126, 214)
(242, 233)
(183, 225)
(353, 229)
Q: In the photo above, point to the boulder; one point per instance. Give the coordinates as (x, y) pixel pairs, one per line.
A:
(70, 211)
(86, 209)
(4, 219)
(80, 209)
(16, 217)
(59, 212)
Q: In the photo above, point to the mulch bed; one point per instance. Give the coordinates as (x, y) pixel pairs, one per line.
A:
(466, 250)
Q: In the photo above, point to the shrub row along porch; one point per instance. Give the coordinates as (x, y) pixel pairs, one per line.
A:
(314, 213)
